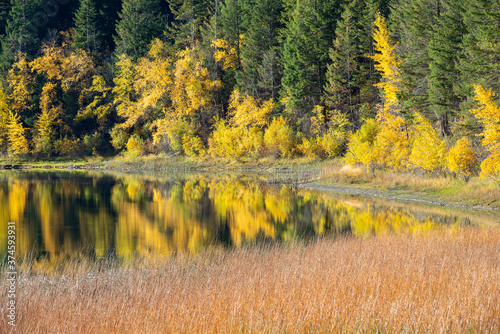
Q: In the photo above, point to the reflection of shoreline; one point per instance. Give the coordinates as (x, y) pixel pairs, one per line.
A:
(136, 216)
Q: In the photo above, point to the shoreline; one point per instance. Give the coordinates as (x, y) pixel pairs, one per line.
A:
(326, 175)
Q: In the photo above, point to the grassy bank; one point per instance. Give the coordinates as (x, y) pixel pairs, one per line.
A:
(441, 188)
(443, 282)
(323, 172)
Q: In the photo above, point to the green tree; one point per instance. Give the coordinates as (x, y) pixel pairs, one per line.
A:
(190, 16)
(309, 35)
(445, 52)
(5, 6)
(481, 61)
(260, 73)
(140, 22)
(86, 34)
(21, 33)
(414, 23)
(351, 75)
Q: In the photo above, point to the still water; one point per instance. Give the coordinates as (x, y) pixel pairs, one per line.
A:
(125, 215)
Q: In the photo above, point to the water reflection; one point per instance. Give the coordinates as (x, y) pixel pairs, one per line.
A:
(128, 215)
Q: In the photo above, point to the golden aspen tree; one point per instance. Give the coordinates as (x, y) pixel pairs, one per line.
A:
(20, 79)
(191, 96)
(488, 113)
(18, 145)
(4, 119)
(428, 149)
(392, 145)
(226, 53)
(124, 92)
(462, 159)
(279, 138)
(245, 110)
(99, 95)
(243, 134)
(361, 145)
(386, 62)
(48, 119)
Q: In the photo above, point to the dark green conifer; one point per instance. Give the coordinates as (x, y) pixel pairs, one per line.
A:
(86, 34)
(140, 22)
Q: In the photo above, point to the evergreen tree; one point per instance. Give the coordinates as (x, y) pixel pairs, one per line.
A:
(308, 36)
(351, 75)
(4, 15)
(445, 52)
(260, 75)
(21, 33)
(86, 34)
(108, 14)
(232, 25)
(140, 22)
(414, 23)
(190, 16)
(481, 62)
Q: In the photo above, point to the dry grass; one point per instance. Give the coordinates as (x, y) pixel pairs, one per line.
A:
(476, 191)
(441, 283)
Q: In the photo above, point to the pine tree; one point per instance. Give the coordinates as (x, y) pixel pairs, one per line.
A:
(190, 17)
(5, 6)
(481, 62)
(445, 52)
(260, 75)
(414, 23)
(108, 14)
(21, 33)
(309, 35)
(351, 75)
(86, 34)
(232, 25)
(140, 22)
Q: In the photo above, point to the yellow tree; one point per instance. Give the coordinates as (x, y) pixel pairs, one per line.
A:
(4, 119)
(20, 80)
(386, 62)
(488, 113)
(461, 158)
(192, 101)
(392, 145)
(428, 149)
(18, 145)
(51, 111)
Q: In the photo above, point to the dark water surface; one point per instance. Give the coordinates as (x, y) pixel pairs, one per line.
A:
(125, 215)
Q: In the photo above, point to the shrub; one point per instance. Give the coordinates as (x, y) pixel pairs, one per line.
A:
(428, 149)
(360, 148)
(67, 146)
(193, 146)
(462, 159)
(135, 146)
(119, 138)
(279, 138)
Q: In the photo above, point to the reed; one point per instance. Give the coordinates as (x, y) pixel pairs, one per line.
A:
(443, 282)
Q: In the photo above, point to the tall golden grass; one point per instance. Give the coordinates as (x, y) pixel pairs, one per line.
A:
(442, 283)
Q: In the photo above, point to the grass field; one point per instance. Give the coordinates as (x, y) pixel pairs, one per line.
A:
(445, 282)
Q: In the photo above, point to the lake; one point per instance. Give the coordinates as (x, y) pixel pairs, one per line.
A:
(125, 215)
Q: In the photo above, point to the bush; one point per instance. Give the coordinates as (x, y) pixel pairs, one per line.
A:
(193, 146)
(462, 159)
(68, 147)
(361, 145)
(92, 142)
(428, 149)
(119, 138)
(279, 139)
(135, 146)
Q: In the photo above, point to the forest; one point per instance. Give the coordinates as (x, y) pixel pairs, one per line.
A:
(401, 84)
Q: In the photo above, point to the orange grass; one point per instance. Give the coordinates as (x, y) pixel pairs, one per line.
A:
(445, 282)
